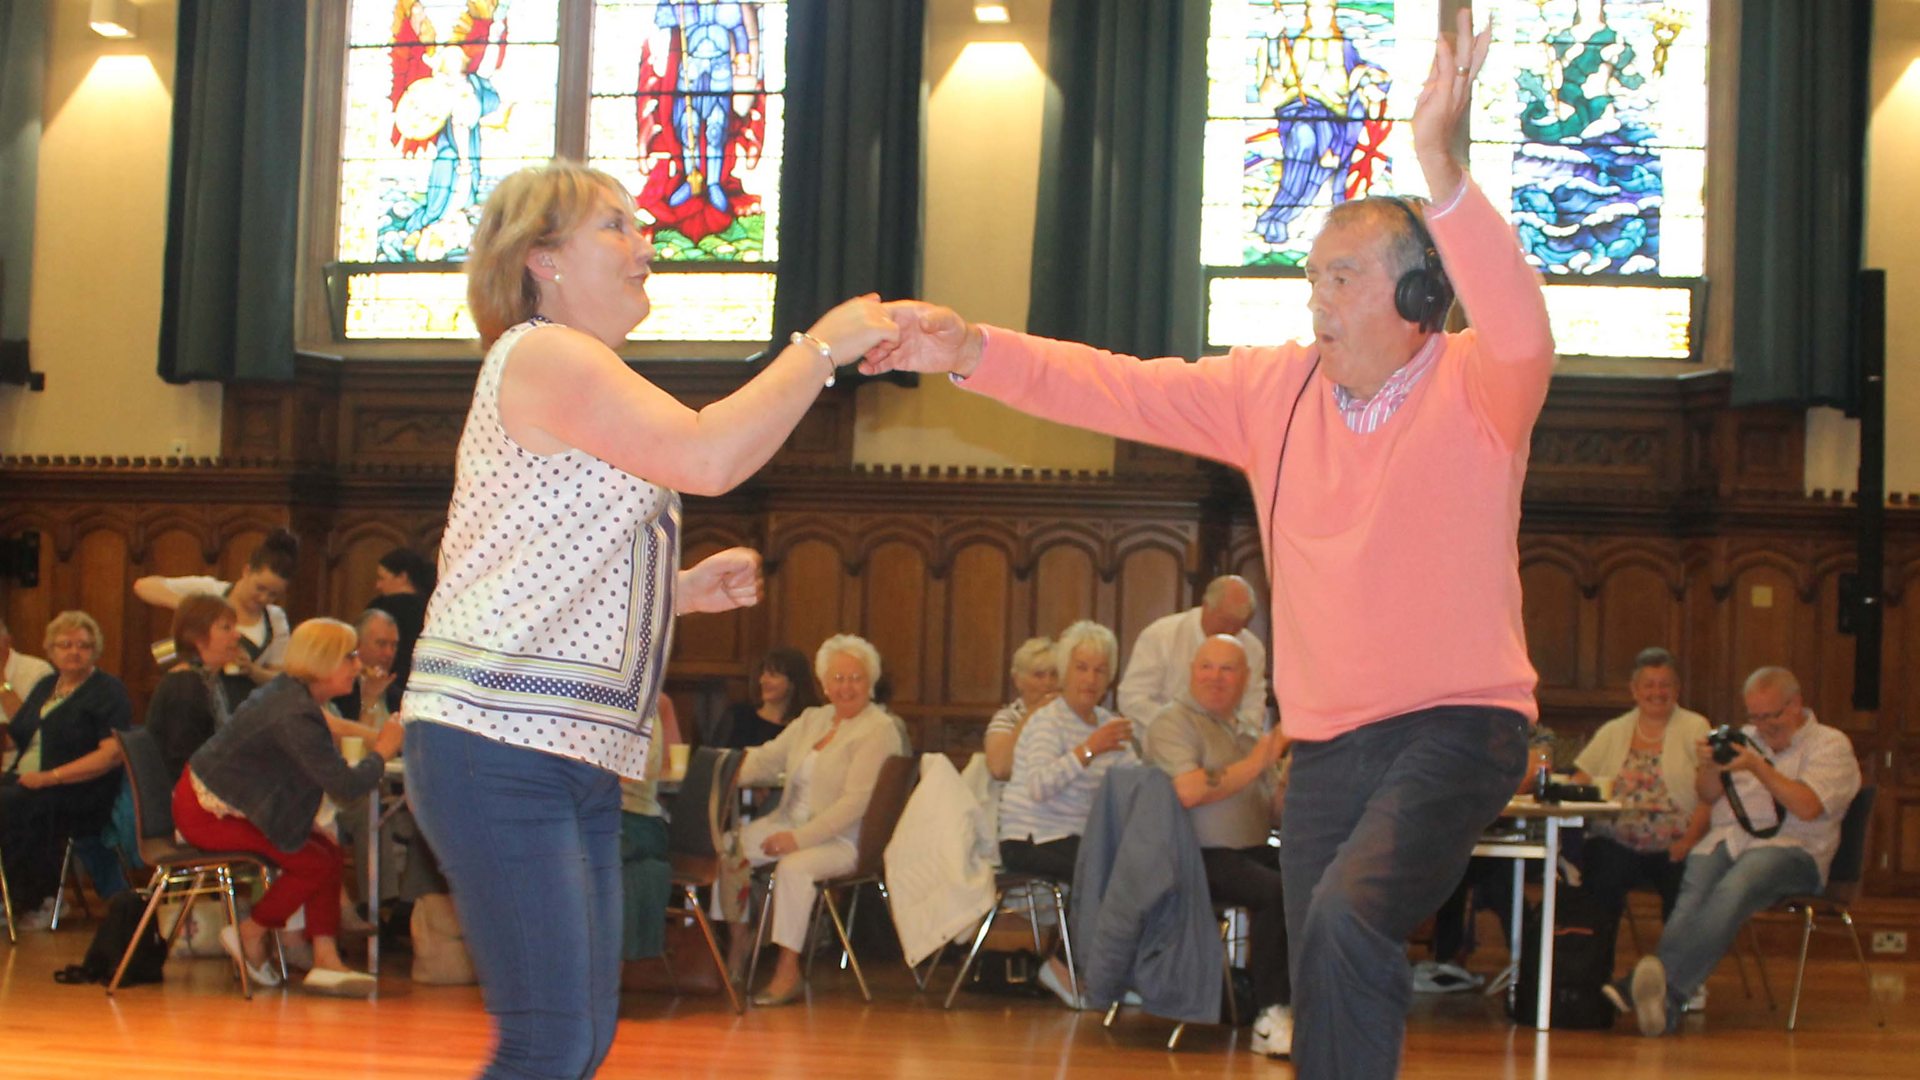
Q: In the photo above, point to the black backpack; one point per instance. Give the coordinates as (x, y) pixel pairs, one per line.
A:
(1583, 943)
(110, 944)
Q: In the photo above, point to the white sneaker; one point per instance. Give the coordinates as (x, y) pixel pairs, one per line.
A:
(1273, 1032)
(1698, 1002)
(1055, 983)
(40, 918)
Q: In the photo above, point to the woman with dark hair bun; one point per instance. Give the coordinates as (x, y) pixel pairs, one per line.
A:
(401, 583)
(256, 598)
(782, 686)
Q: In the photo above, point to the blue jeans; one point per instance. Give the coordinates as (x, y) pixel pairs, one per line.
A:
(1717, 896)
(1379, 825)
(531, 844)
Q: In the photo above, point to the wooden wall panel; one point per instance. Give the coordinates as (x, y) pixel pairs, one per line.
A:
(1152, 583)
(1636, 608)
(1551, 610)
(809, 581)
(979, 634)
(895, 589)
(104, 590)
(1763, 615)
(1827, 682)
(352, 562)
(1063, 589)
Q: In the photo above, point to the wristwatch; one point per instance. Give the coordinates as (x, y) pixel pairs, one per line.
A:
(1084, 753)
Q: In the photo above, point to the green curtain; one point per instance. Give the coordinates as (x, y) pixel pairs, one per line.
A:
(850, 184)
(23, 78)
(1800, 185)
(1116, 249)
(233, 204)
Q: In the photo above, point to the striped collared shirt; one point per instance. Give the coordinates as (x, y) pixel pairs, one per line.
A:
(1365, 415)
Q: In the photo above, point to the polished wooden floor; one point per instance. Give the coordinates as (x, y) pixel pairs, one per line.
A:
(196, 1024)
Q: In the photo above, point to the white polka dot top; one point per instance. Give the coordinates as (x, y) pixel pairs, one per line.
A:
(552, 619)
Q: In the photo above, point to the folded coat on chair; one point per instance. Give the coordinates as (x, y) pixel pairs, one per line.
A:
(1141, 914)
(939, 863)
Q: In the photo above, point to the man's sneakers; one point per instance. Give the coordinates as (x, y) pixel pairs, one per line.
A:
(1435, 977)
(1273, 1032)
(1644, 994)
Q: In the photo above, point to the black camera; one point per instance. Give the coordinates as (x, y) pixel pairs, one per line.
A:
(1726, 741)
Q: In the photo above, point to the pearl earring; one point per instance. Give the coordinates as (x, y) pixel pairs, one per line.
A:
(556, 278)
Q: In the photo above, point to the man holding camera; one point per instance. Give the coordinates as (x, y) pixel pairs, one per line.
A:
(1779, 788)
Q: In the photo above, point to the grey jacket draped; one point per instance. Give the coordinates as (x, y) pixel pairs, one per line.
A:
(1142, 916)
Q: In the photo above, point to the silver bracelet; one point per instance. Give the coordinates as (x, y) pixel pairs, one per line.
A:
(801, 337)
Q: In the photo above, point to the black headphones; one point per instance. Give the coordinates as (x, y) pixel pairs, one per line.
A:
(1425, 295)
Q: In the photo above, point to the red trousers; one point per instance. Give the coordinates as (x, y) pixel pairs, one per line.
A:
(309, 877)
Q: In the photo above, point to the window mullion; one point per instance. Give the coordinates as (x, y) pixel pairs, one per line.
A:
(576, 54)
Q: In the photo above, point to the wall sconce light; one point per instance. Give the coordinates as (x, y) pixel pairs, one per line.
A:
(118, 19)
(994, 13)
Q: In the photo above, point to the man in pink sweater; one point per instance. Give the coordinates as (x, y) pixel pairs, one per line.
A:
(1386, 461)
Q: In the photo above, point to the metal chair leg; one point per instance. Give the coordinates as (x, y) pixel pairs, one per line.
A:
(1800, 971)
(1226, 971)
(233, 917)
(1066, 940)
(1173, 1041)
(979, 939)
(1113, 1010)
(846, 941)
(759, 934)
(1760, 962)
(60, 886)
(1866, 973)
(6, 903)
(853, 919)
(713, 946)
(146, 916)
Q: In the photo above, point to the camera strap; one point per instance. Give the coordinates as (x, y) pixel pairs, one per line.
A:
(1740, 811)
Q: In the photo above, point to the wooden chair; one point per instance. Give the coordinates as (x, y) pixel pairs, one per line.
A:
(703, 813)
(1835, 901)
(179, 870)
(890, 793)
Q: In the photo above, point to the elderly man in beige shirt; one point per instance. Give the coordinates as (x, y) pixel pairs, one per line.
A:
(1229, 781)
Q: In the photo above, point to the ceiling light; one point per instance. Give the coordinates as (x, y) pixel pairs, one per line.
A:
(114, 18)
(991, 13)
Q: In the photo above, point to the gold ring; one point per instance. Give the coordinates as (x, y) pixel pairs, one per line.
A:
(1459, 71)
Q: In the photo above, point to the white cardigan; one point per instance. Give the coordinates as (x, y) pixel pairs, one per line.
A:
(1607, 752)
(844, 775)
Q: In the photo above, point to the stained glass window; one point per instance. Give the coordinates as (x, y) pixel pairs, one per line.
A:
(1589, 129)
(444, 98)
(686, 111)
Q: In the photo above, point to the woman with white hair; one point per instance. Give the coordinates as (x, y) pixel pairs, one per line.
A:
(831, 756)
(1036, 678)
(1062, 756)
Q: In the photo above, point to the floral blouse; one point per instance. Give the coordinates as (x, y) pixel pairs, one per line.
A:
(1651, 822)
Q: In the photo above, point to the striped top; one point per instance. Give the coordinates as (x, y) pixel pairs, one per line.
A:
(1049, 793)
(1364, 416)
(553, 616)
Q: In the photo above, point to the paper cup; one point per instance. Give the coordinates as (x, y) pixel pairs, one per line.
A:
(353, 748)
(1605, 784)
(677, 754)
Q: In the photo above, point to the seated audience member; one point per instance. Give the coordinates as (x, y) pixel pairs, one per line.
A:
(256, 600)
(190, 703)
(1156, 674)
(646, 873)
(1229, 782)
(67, 773)
(1775, 825)
(19, 674)
(1058, 764)
(1648, 754)
(830, 756)
(375, 696)
(256, 786)
(1036, 678)
(402, 583)
(782, 689)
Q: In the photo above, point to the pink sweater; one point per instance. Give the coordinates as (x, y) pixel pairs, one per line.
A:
(1394, 555)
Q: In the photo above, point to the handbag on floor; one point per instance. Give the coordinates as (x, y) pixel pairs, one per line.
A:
(110, 944)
